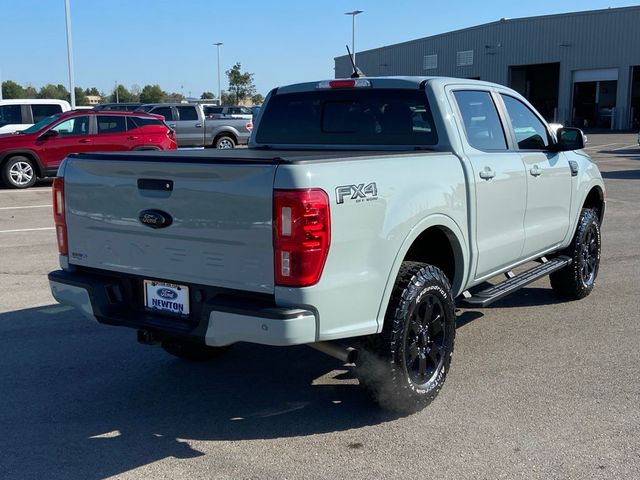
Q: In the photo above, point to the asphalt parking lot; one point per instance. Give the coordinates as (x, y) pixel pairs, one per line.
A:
(538, 388)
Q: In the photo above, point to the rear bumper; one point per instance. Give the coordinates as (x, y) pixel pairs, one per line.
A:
(217, 317)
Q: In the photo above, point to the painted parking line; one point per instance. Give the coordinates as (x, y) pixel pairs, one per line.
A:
(30, 206)
(602, 146)
(28, 230)
(635, 145)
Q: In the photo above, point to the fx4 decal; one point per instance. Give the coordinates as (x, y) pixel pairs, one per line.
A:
(359, 193)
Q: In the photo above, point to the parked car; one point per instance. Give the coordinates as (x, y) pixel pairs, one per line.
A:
(362, 213)
(121, 107)
(37, 151)
(192, 130)
(20, 114)
(233, 111)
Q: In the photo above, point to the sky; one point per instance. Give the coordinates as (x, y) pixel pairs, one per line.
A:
(170, 42)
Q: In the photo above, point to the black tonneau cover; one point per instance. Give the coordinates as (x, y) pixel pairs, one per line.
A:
(247, 155)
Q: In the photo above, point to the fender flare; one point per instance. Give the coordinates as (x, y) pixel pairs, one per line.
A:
(460, 251)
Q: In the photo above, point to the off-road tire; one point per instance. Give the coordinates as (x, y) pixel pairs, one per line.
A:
(192, 351)
(11, 176)
(576, 281)
(405, 366)
(225, 142)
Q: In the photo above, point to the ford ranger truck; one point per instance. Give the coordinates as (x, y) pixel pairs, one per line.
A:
(362, 213)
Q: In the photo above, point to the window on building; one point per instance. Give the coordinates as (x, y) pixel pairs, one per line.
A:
(430, 62)
(464, 58)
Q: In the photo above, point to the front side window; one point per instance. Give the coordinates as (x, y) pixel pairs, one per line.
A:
(43, 111)
(73, 126)
(481, 121)
(531, 133)
(10, 115)
(354, 116)
(111, 124)
(187, 113)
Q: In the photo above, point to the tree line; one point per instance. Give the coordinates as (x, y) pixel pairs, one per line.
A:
(241, 89)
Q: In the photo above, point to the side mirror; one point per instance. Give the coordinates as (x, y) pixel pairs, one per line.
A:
(49, 134)
(570, 139)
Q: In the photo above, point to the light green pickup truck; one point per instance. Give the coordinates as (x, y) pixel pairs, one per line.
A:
(362, 213)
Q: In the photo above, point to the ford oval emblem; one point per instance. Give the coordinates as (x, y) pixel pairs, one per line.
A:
(167, 293)
(155, 218)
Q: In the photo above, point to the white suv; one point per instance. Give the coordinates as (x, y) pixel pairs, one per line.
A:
(21, 113)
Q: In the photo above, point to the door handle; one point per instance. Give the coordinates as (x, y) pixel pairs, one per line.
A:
(487, 173)
(84, 140)
(198, 125)
(133, 137)
(536, 171)
(172, 125)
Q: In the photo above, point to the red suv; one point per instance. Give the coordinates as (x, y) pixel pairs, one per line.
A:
(38, 151)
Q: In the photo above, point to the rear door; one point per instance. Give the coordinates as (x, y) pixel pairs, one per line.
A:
(112, 134)
(499, 179)
(189, 126)
(548, 179)
(220, 233)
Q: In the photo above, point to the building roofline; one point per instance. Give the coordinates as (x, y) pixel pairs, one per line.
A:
(498, 22)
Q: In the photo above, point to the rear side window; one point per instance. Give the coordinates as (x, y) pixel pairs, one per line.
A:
(10, 115)
(139, 122)
(166, 112)
(111, 124)
(187, 113)
(481, 122)
(349, 117)
(531, 133)
(43, 111)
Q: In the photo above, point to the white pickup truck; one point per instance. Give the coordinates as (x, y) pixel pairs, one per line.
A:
(364, 210)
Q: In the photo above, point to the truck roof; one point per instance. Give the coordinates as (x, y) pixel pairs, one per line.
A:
(407, 82)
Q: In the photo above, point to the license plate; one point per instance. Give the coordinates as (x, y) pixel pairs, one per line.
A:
(166, 297)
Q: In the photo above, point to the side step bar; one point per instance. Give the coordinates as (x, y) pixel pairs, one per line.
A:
(514, 282)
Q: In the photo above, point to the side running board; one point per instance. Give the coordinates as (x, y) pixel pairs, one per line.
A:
(514, 282)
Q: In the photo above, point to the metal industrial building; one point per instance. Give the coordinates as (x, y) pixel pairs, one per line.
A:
(580, 69)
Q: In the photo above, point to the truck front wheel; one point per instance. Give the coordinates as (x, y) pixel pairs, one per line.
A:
(575, 281)
(405, 366)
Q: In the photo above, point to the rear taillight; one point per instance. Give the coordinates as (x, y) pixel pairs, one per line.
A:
(302, 235)
(171, 134)
(249, 126)
(59, 216)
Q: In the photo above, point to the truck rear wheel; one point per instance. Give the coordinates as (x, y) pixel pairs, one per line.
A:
(225, 142)
(575, 281)
(405, 366)
(192, 351)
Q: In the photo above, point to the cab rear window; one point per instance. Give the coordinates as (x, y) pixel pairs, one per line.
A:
(349, 117)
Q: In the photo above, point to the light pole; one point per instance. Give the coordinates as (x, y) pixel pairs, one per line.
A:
(353, 33)
(67, 14)
(219, 96)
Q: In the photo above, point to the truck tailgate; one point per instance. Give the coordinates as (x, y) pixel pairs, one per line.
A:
(220, 232)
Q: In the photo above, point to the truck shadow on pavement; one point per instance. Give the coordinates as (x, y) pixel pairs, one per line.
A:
(81, 400)
(622, 175)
